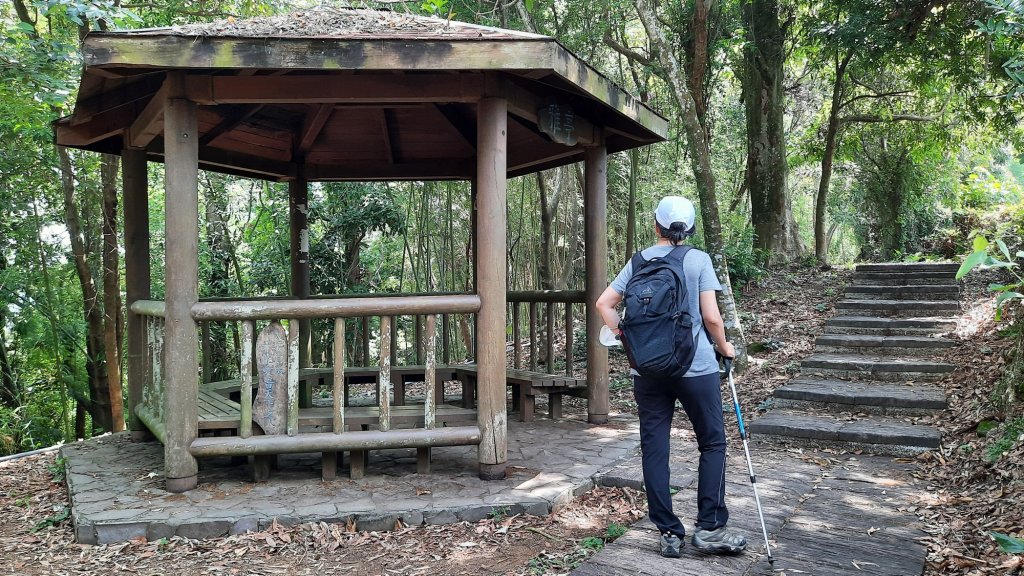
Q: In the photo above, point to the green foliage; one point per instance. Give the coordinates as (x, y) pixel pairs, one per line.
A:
(1005, 32)
(1009, 293)
(1012, 434)
(58, 470)
(59, 516)
(1008, 544)
(592, 543)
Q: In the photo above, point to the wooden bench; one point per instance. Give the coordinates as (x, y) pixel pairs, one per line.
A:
(526, 385)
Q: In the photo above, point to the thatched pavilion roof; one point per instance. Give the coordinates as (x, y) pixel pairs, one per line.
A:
(350, 94)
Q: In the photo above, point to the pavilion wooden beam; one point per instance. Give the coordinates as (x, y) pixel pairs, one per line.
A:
(375, 171)
(595, 231)
(165, 51)
(463, 125)
(388, 136)
(316, 89)
(490, 261)
(126, 94)
(525, 104)
(181, 263)
(150, 122)
(229, 122)
(312, 125)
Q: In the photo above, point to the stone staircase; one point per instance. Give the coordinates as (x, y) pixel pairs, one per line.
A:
(870, 372)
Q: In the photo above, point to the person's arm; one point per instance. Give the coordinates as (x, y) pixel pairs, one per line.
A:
(606, 307)
(714, 324)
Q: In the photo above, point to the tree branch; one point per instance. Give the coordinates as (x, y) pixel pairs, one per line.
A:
(625, 50)
(874, 118)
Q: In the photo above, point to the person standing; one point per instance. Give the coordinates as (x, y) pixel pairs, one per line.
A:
(698, 391)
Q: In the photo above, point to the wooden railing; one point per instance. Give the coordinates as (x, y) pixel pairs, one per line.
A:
(150, 407)
(542, 336)
(538, 315)
(338, 309)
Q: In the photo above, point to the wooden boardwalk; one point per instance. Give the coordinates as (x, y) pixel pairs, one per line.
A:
(826, 515)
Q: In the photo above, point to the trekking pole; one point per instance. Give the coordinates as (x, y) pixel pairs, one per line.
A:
(750, 466)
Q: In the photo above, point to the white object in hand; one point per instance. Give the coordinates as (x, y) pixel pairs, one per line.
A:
(608, 338)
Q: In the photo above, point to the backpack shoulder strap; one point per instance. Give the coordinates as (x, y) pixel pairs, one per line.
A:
(637, 261)
(679, 252)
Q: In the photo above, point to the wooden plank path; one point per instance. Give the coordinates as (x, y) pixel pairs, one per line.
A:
(850, 516)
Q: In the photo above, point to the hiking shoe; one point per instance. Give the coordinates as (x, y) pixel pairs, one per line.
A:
(671, 546)
(720, 541)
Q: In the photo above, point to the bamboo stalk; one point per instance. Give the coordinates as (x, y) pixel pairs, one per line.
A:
(549, 342)
(384, 398)
(294, 331)
(245, 373)
(568, 339)
(430, 372)
(339, 375)
(517, 338)
(533, 336)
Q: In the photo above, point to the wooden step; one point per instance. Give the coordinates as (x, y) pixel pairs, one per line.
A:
(877, 435)
(941, 292)
(898, 308)
(902, 278)
(858, 395)
(864, 367)
(881, 345)
(873, 325)
(905, 267)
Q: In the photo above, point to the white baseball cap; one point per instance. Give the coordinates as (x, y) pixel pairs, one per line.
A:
(673, 209)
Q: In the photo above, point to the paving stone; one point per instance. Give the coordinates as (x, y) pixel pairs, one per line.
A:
(474, 514)
(443, 516)
(85, 534)
(377, 522)
(112, 533)
(158, 530)
(412, 518)
(205, 529)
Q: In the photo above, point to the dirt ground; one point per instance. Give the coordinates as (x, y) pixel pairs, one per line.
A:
(782, 315)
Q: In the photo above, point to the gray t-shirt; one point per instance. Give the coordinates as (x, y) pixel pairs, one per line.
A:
(700, 277)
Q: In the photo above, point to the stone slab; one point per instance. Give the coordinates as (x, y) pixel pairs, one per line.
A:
(861, 393)
(949, 268)
(869, 364)
(116, 486)
(849, 518)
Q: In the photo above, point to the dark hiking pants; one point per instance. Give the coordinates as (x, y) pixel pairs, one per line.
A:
(701, 398)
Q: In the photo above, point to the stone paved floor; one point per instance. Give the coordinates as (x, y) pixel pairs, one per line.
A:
(853, 515)
(116, 487)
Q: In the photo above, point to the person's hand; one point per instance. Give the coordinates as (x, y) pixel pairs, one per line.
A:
(728, 351)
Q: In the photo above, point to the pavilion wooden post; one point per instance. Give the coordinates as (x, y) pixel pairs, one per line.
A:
(136, 278)
(298, 220)
(181, 265)
(595, 223)
(489, 257)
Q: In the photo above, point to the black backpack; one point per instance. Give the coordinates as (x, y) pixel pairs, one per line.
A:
(657, 330)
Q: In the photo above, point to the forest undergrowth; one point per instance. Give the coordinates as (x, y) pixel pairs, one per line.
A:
(974, 481)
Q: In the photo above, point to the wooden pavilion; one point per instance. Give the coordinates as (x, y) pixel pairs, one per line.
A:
(338, 95)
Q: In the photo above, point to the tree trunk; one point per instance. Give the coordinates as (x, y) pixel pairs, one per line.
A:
(549, 201)
(9, 394)
(827, 157)
(99, 394)
(700, 162)
(764, 54)
(219, 244)
(112, 317)
(634, 169)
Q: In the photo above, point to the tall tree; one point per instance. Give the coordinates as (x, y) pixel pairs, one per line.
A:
(762, 78)
(700, 163)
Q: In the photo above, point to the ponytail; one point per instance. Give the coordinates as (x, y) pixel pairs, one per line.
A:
(677, 233)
